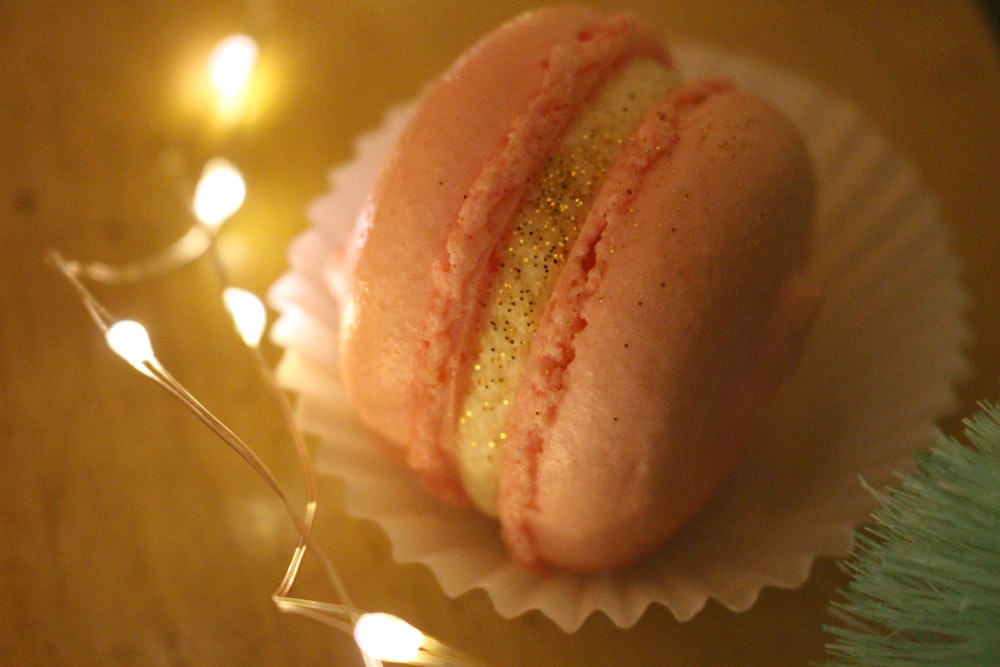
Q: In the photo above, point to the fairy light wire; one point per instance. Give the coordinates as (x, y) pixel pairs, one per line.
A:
(305, 463)
(217, 196)
(219, 193)
(152, 368)
(344, 617)
(163, 378)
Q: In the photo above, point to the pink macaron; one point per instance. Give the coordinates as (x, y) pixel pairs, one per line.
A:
(576, 283)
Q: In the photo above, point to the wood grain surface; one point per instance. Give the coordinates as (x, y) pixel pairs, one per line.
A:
(131, 536)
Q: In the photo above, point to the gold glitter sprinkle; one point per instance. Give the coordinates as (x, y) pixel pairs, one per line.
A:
(544, 231)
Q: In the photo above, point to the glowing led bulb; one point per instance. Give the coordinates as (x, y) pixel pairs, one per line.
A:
(129, 340)
(220, 192)
(248, 313)
(387, 637)
(231, 65)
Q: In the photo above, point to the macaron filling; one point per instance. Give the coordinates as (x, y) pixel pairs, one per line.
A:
(527, 263)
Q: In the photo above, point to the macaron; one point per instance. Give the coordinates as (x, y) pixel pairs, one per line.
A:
(576, 284)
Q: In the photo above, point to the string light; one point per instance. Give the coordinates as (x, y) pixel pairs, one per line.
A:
(231, 64)
(219, 194)
(379, 636)
(230, 67)
(388, 638)
(130, 341)
(248, 313)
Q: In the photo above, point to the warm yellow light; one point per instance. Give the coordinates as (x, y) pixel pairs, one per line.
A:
(248, 312)
(220, 192)
(231, 65)
(129, 340)
(387, 637)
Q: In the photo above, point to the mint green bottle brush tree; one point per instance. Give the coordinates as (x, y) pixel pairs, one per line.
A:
(925, 584)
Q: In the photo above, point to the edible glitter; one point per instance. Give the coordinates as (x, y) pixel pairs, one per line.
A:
(546, 227)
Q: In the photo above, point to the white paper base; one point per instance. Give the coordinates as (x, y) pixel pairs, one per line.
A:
(877, 372)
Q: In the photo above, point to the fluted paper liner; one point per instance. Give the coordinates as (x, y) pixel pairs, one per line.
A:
(878, 370)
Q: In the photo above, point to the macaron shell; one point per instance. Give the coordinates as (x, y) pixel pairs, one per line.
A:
(684, 312)
(445, 201)
(462, 122)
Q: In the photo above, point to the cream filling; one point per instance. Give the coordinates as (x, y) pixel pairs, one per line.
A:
(545, 229)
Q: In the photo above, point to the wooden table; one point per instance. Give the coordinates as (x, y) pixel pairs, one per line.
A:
(130, 535)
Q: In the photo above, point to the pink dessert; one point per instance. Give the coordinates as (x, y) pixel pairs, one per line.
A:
(576, 284)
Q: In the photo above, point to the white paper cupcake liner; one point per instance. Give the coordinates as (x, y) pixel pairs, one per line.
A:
(877, 372)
